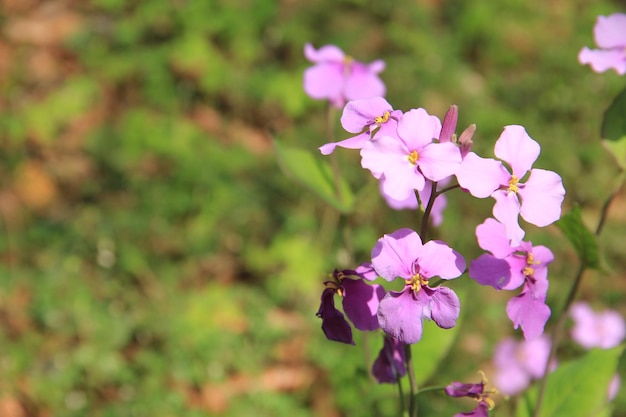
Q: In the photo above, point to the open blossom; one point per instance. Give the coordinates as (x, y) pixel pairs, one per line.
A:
(508, 267)
(389, 366)
(411, 158)
(538, 200)
(339, 78)
(518, 363)
(360, 303)
(401, 254)
(610, 35)
(367, 118)
(604, 329)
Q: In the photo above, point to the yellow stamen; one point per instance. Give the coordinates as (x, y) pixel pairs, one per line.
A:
(416, 282)
(528, 271)
(414, 157)
(513, 184)
(379, 120)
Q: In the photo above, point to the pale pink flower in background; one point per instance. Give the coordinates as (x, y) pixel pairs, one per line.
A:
(604, 329)
(339, 78)
(519, 363)
(610, 35)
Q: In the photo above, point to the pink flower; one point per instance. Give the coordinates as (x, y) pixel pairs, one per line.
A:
(518, 363)
(508, 267)
(408, 160)
(538, 200)
(402, 255)
(368, 118)
(339, 78)
(605, 329)
(610, 35)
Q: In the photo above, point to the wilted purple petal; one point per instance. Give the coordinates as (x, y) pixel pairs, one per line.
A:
(360, 303)
(389, 366)
(459, 389)
(481, 410)
(334, 325)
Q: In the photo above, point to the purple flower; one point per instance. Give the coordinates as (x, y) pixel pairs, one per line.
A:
(605, 329)
(339, 78)
(518, 363)
(389, 366)
(507, 268)
(367, 118)
(538, 200)
(406, 161)
(477, 392)
(402, 254)
(360, 303)
(610, 35)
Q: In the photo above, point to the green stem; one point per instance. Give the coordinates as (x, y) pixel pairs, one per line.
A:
(428, 389)
(559, 327)
(408, 359)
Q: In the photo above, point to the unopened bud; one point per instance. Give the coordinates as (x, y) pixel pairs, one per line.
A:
(449, 124)
(465, 140)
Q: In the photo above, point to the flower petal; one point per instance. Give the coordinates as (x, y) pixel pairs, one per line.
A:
(438, 259)
(529, 313)
(481, 176)
(355, 142)
(324, 81)
(394, 254)
(400, 316)
(444, 305)
(602, 60)
(361, 83)
(439, 160)
(358, 114)
(327, 53)
(542, 196)
(334, 325)
(609, 31)
(491, 236)
(518, 149)
(506, 210)
(417, 128)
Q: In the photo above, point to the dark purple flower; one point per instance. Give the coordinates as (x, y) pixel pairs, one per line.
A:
(360, 303)
(402, 255)
(389, 366)
(478, 392)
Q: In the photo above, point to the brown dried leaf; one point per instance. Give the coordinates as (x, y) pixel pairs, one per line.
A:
(34, 186)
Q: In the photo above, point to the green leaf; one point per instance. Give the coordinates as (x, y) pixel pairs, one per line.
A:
(614, 121)
(316, 174)
(617, 148)
(584, 242)
(576, 389)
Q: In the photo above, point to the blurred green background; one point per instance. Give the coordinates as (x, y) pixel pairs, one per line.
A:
(156, 261)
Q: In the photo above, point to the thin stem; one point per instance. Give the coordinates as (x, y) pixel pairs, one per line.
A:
(571, 296)
(334, 163)
(428, 389)
(408, 360)
(427, 210)
(445, 190)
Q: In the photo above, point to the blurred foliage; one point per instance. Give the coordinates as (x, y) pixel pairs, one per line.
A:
(154, 259)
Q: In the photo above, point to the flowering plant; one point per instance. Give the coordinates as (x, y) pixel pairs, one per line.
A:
(417, 159)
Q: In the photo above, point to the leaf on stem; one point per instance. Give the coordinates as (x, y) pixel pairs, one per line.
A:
(316, 174)
(584, 242)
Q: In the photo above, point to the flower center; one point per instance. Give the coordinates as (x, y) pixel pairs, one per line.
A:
(416, 282)
(379, 120)
(528, 270)
(414, 157)
(513, 184)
